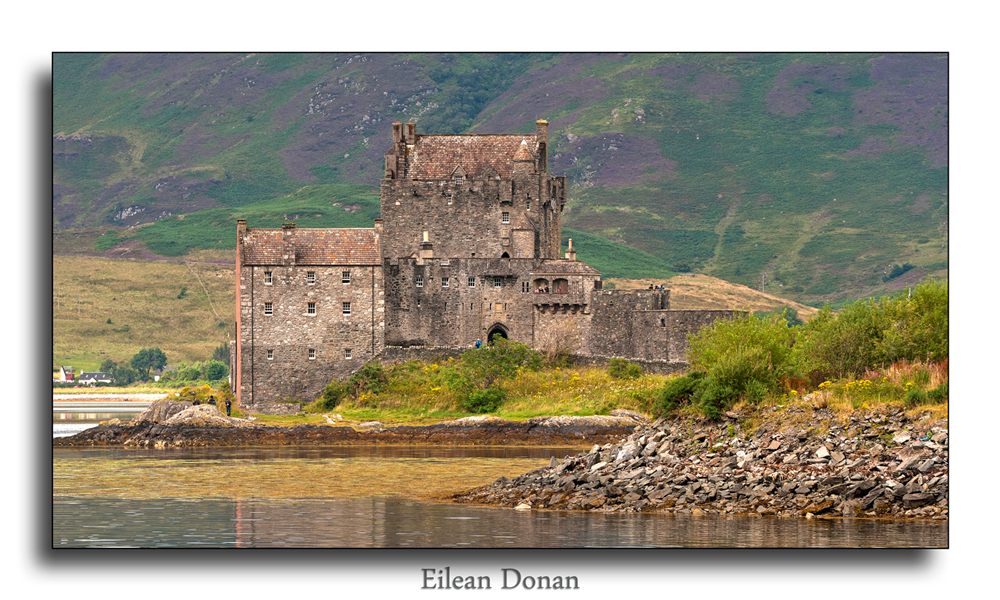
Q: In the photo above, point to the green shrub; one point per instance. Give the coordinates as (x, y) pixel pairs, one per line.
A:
(915, 396)
(747, 355)
(502, 359)
(865, 334)
(938, 394)
(215, 370)
(619, 368)
(716, 397)
(677, 392)
(334, 393)
(371, 378)
(484, 401)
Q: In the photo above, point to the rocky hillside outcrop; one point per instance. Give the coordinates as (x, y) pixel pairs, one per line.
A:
(875, 465)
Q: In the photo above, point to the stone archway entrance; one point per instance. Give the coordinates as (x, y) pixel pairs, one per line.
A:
(496, 329)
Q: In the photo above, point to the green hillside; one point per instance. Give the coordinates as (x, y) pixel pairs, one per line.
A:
(814, 177)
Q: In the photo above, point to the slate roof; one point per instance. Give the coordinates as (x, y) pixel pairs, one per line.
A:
(436, 156)
(94, 375)
(565, 267)
(313, 247)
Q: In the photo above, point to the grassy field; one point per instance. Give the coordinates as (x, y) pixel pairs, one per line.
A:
(105, 308)
(703, 292)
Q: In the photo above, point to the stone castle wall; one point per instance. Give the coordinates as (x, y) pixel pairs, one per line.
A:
(293, 353)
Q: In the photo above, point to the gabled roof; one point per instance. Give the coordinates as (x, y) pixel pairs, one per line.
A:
(436, 156)
(97, 375)
(313, 246)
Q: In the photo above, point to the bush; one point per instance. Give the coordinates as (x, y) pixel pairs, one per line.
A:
(745, 354)
(484, 401)
(484, 367)
(334, 393)
(869, 333)
(915, 396)
(216, 370)
(619, 368)
(938, 394)
(677, 392)
(716, 397)
(371, 378)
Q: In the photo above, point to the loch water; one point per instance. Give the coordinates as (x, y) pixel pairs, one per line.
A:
(383, 497)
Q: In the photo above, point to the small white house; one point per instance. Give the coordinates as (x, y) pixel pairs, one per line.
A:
(92, 377)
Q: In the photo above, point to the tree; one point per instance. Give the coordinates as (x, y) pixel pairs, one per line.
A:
(221, 353)
(215, 370)
(148, 359)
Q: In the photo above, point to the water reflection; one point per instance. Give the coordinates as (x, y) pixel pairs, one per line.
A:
(381, 496)
(400, 523)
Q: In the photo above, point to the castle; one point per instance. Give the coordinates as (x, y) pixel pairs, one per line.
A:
(468, 247)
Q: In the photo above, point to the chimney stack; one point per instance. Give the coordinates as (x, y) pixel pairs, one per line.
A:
(570, 252)
(426, 250)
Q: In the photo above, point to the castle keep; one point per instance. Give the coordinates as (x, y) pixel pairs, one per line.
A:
(468, 247)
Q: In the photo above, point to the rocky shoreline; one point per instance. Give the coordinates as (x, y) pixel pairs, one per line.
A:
(174, 424)
(798, 462)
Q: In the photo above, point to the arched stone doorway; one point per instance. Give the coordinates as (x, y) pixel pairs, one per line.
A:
(496, 329)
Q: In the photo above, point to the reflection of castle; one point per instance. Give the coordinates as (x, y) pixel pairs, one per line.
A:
(468, 247)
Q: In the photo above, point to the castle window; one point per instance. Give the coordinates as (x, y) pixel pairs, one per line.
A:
(528, 206)
(310, 277)
(270, 354)
(310, 308)
(268, 308)
(497, 282)
(420, 281)
(345, 277)
(347, 308)
(459, 178)
(312, 354)
(472, 282)
(347, 354)
(267, 278)
(444, 282)
(505, 217)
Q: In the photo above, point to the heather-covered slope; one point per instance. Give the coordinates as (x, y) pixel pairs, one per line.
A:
(815, 177)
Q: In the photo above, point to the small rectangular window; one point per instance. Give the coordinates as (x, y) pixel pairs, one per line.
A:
(268, 308)
(347, 354)
(444, 282)
(267, 278)
(270, 354)
(310, 277)
(497, 282)
(420, 281)
(347, 308)
(345, 277)
(528, 206)
(472, 282)
(312, 354)
(505, 217)
(311, 308)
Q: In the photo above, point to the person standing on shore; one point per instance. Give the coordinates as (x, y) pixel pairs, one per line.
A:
(229, 406)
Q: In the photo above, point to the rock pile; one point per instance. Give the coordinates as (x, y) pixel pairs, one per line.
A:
(875, 465)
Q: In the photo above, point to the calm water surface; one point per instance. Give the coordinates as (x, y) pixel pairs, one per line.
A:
(381, 497)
